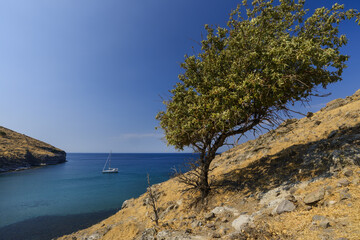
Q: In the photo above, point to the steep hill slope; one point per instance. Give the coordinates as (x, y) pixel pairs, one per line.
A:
(300, 181)
(18, 151)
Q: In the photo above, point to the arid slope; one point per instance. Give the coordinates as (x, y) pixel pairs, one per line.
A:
(300, 181)
(18, 151)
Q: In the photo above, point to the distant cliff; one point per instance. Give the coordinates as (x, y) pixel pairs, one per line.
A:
(18, 152)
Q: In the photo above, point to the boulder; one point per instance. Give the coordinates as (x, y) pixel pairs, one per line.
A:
(315, 196)
(241, 222)
(209, 216)
(343, 182)
(225, 209)
(285, 206)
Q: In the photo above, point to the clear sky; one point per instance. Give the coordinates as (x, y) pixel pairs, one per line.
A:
(87, 75)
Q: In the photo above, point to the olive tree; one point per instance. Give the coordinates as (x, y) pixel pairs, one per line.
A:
(251, 72)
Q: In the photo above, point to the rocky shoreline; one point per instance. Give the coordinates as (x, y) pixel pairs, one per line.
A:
(11, 165)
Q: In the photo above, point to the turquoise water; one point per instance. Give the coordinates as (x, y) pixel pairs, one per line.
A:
(79, 188)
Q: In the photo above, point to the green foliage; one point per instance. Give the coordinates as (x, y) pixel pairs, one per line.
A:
(249, 71)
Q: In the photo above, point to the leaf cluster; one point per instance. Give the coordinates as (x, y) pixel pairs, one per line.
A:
(266, 58)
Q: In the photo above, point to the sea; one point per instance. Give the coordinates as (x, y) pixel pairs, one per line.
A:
(50, 201)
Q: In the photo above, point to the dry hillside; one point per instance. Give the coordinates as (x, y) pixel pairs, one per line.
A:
(18, 151)
(300, 181)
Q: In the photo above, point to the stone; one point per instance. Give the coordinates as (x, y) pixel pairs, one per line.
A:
(356, 181)
(342, 238)
(335, 104)
(285, 206)
(216, 235)
(209, 216)
(344, 194)
(196, 223)
(127, 203)
(225, 209)
(343, 182)
(318, 218)
(315, 196)
(324, 223)
(241, 222)
(148, 234)
(211, 226)
(223, 230)
(348, 172)
(188, 230)
(332, 134)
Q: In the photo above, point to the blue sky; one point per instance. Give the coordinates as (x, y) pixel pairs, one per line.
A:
(87, 75)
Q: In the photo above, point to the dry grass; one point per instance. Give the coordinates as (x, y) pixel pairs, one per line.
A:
(243, 172)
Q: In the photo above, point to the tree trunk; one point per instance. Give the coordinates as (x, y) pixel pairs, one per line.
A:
(204, 177)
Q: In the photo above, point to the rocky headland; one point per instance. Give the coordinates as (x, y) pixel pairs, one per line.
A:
(19, 152)
(299, 181)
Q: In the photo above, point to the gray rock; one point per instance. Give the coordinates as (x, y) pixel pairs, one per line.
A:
(127, 203)
(348, 172)
(241, 222)
(209, 216)
(285, 206)
(315, 196)
(225, 209)
(148, 234)
(343, 182)
(216, 235)
(211, 226)
(335, 104)
(318, 218)
(196, 223)
(324, 223)
(344, 194)
(332, 134)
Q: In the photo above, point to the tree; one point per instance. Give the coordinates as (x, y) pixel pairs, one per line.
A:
(250, 73)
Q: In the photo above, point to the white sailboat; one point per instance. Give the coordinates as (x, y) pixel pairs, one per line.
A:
(109, 169)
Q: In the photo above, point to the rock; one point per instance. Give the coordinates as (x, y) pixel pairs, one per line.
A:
(348, 172)
(241, 222)
(223, 230)
(188, 230)
(342, 238)
(330, 203)
(94, 236)
(343, 182)
(211, 226)
(126, 203)
(196, 223)
(209, 216)
(356, 181)
(344, 194)
(335, 104)
(318, 218)
(216, 235)
(163, 235)
(221, 210)
(292, 190)
(315, 196)
(332, 134)
(324, 223)
(285, 206)
(148, 234)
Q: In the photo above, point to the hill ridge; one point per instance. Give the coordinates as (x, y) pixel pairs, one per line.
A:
(19, 152)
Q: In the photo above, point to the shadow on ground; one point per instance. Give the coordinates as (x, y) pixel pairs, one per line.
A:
(296, 163)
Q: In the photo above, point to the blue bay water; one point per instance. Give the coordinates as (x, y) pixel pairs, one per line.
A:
(79, 187)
